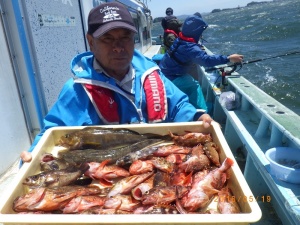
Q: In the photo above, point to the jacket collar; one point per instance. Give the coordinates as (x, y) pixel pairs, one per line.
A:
(189, 39)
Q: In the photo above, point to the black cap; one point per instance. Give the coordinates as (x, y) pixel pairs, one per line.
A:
(108, 16)
(169, 11)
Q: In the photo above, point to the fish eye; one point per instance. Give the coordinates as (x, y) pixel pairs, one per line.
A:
(67, 135)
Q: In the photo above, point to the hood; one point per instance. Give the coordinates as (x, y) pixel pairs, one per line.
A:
(193, 27)
(82, 64)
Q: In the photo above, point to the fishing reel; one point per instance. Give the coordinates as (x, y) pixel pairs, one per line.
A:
(225, 71)
(234, 68)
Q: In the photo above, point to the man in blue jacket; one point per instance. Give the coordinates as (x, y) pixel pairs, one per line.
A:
(115, 84)
(185, 53)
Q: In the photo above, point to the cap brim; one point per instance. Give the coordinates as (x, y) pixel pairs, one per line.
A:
(112, 25)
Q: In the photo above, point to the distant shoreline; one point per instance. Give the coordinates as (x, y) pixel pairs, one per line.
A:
(182, 17)
(239, 7)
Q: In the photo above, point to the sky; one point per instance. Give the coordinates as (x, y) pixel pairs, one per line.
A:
(187, 7)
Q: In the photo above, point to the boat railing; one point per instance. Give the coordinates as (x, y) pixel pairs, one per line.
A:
(258, 124)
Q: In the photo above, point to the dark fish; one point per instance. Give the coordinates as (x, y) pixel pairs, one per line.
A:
(141, 154)
(56, 178)
(94, 155)
(101, 138)
(50, 162)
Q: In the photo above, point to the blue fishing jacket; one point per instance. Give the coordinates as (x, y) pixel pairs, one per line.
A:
(185, 54)
(74, 107)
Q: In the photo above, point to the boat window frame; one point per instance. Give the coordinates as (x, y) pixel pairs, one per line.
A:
(137, 38)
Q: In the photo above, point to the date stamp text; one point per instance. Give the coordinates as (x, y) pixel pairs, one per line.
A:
(244, 199)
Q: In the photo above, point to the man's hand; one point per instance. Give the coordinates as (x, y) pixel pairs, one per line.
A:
(206, 120)
(236, 58)
(26, 156)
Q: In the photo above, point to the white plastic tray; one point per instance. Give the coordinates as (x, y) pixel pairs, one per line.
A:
(250, 210)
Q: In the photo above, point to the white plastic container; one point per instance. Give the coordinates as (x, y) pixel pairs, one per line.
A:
(250, 210)
(285, 163)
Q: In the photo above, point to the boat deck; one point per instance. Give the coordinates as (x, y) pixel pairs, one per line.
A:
(260, 123)
(153, 50)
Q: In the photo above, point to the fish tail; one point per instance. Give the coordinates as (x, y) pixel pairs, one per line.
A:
(228, 162)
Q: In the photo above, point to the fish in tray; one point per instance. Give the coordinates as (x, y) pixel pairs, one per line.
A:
(227, 204)
(205, 185)
(191, 139)
(150, 176)
(56, 178)
(51, 199)
(50, 162)
(143, 153)
(83, 203)
(99, 210)
(125, 185)
(122, 202)
(159, 196)
(212, 151)
(138, 191)
(107, 172)
(101, 138)
(112, 154)
(156, 209)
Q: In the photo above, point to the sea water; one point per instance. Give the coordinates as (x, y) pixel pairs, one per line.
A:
(258, 32)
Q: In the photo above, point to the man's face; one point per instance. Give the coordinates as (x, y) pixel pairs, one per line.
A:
(114, 51)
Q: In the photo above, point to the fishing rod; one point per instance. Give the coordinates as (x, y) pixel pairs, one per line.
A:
(235, 65)
(272, 57)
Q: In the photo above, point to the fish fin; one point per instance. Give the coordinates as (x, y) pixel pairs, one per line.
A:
(103, 164)
(188, 179)
(105, 182)
(209, 189)
(84, 167)
(229, 162)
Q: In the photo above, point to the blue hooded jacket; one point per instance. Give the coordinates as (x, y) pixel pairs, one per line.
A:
(184, 53)
(193, 27)
(74, 108)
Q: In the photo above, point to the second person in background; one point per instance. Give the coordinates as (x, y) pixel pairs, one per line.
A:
(187, 51)
(171, 26)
